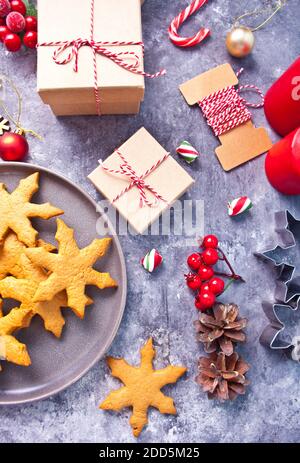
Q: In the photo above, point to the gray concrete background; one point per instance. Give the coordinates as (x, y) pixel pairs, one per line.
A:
(160, 305)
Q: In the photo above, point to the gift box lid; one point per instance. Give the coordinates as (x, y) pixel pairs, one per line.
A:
(67, 20)
(169, 179)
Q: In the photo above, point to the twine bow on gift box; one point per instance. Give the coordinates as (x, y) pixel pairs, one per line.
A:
(122, 59)
(136, 180)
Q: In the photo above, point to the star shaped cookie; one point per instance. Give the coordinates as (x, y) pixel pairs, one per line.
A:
(16, 210)
(142, 387)
(23, 290)
(71, 269)
(11, 349)
(11, 252)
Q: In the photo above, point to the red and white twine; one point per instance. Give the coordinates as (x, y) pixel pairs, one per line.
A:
(180, 19)
(225, 109)
(125, 59)
(136, 180)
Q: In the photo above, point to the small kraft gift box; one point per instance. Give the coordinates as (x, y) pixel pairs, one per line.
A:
(90, 56)
(141, 179)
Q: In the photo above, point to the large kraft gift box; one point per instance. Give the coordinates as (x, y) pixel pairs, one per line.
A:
(168, 179)
(72, 93)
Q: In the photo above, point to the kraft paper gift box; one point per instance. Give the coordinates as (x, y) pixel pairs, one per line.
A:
(169, 180)
(72, 93)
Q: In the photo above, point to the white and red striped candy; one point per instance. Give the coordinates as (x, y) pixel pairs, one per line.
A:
(180, 19)
(239, 206)
(152, 260)
(187, 152)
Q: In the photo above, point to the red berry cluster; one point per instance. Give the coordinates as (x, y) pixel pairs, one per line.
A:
(15, 26)
(207, 282)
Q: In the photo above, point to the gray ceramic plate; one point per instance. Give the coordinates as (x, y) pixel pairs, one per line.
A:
(56, 364)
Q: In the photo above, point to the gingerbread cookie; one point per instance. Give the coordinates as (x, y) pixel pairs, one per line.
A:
(142, 387)
(16, 210)
(11, 252)
(11, 349)
(71, 269)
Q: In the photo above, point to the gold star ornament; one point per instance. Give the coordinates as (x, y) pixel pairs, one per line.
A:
(142, 387)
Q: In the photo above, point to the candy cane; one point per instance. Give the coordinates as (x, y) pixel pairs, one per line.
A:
(180, 19)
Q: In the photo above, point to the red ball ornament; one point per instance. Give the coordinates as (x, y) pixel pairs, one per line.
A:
(13, 147)
(5, 8)
(12, 42)
(3, 32)
(205, 272)
(30, 23)
(194, 261)
(15, 22)
(30, 39)
(19, 6)
(210, 241)
(210, 256)
(216, 286)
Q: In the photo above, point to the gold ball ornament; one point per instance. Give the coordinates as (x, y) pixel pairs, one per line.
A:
(240, 41)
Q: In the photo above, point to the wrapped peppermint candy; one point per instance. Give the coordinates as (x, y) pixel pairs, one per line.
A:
(239, 206)
(152, 260)
(187, 152)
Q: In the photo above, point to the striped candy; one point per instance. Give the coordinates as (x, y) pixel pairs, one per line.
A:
(239, 206)
(152, 260)
(180, 19)
(187, 152)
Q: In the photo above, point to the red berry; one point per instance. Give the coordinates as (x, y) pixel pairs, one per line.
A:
(30, 39)
(15, 22)
(2, 22)
(216, 285)
(210, 256)
(193, 281)
(210, 241)
(205, 272)
(204, 288)
(12, 42)
(3, 32)
(205, 301)
(5, 8)
(31, 23)
(19, 6)
(194, 261)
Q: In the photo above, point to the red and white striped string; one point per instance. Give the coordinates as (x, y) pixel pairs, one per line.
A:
(225, 109)
(136, 180)
(180, 19)
(125, 59)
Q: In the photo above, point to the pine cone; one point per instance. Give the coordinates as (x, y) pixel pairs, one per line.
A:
(221, 328)
(222, 377)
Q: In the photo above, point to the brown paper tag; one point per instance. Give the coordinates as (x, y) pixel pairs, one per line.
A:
(240, 144)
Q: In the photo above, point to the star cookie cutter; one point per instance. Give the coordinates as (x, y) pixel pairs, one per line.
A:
(281, 256)
(287, 291)
(272, 334)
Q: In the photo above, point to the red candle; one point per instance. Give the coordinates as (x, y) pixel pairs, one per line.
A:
(283, 164)
(282, 103)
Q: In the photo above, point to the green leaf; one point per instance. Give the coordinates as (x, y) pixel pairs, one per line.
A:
(30, 8)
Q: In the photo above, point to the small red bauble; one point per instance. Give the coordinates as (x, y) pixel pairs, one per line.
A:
(3, 32)
(12, 42)
(210, 256)
(194, 261)
(210, 241)
(13, 147)
(193, 281)
(5, 8)
(18, 5)
(216, 286)
(15, 22)
(30, 39)
(30, 23)
(205, 272)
